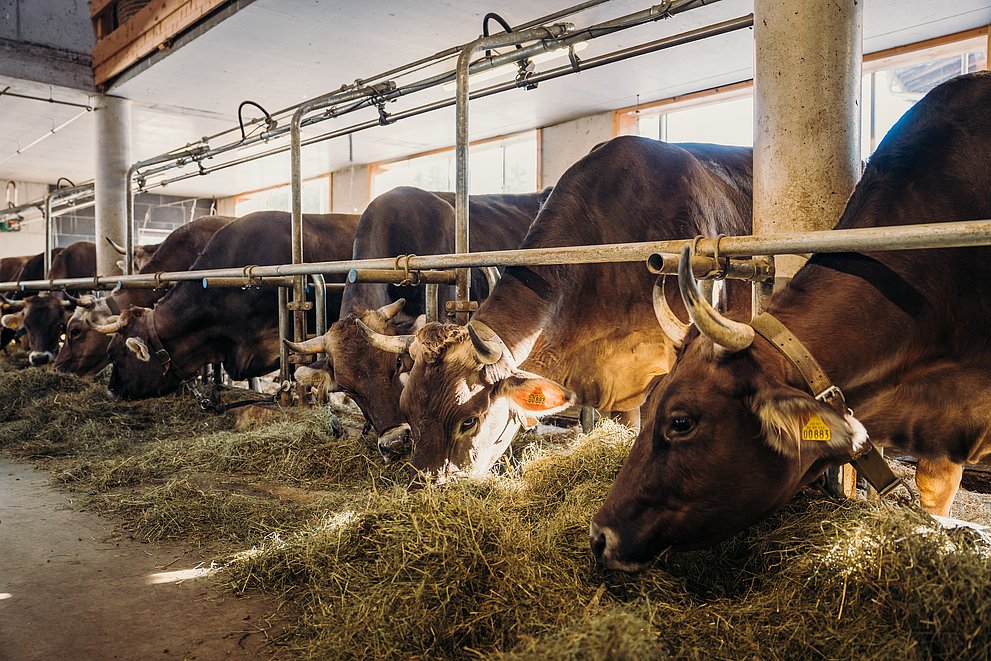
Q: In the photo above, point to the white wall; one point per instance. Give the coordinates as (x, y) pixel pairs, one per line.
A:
(564, 144)
(350, 190)
(31, 239)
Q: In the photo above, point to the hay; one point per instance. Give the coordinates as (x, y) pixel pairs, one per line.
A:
(495, 568)
(501, 568)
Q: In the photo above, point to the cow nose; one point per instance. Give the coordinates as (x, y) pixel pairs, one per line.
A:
(597, 541)
(37, 358)
(394, 443)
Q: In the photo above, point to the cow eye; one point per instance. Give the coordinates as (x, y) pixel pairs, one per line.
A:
(468, 423)
(682, 424)
(74, 332)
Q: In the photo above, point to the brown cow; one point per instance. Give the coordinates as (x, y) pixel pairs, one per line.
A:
(904, 335)
(84, 351)
(154, 351)
(405, 221)
(10, 269)
(44, 314)
(551, 335)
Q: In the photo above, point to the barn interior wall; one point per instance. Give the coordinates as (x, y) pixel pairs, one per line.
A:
(562, 145)
(47, 41)
(30, 239)
(350, 191)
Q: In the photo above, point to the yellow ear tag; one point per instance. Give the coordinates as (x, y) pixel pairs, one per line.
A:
(536, 398)
(816, 430)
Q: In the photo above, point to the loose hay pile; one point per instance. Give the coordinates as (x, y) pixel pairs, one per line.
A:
(498, 568)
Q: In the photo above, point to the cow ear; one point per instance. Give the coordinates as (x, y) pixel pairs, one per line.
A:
(792, 419)
(534, 395)
(13, 321)
(138, 348)
(419, 322)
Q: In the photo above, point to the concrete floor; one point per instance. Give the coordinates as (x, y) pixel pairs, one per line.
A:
(72, 588)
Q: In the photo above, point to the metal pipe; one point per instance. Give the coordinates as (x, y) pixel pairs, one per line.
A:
(285, 368)
(245, 282)
(759, 269)
(399, 276)
(957, 234)
(299, 295)
(432, 302)
(461, 220)
(690, 36)
(72, 193)
(320, 305)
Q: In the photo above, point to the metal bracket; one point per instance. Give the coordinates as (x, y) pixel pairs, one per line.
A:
(458, 306)
(296, 307)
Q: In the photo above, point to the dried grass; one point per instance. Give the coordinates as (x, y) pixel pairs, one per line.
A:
(497, 568)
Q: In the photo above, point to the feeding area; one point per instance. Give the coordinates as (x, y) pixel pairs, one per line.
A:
(302, 508)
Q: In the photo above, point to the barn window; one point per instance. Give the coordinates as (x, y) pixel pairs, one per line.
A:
(503, 165)
(316, 198)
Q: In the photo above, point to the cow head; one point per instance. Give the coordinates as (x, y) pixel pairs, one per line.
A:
(84, 351)
(138, 372)
(721, 446)
(465, 399)
(372, 376)
(42, 319)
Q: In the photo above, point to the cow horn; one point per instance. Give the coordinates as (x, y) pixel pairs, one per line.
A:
(119, 248)
(311, 346)
(487, 351)
(392, 309)
(13, 306)
(726, 333)
(390, 343)
(116, 323)
(81, 301)
(672, 326)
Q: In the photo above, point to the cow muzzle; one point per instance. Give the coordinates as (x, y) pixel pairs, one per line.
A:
(394, 443)
(604, 543)
(38, 358)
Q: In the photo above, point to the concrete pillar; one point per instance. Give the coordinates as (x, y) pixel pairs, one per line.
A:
(808, 56)
(113, 158)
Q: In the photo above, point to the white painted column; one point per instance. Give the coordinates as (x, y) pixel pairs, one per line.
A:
(113, 158)
(808, 59)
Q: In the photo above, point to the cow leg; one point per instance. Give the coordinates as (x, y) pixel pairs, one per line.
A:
(629, 418)
(255, 384)
(938, 481)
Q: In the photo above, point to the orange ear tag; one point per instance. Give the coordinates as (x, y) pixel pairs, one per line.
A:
(536, 398)
(816, 430)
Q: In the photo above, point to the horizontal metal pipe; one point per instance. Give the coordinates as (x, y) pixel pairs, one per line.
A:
(396, 276)
(958, 234)
(247, 282)
(690, 36)
(759, 269)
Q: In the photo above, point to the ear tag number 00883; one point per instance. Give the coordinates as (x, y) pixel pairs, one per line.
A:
(816, 430)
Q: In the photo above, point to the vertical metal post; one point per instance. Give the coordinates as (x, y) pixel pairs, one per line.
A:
(807, 84)
(461, 183)
(113, 159)
(49, 239)
(320, 303)
(129, 230)
(285, 332)
(432, 296)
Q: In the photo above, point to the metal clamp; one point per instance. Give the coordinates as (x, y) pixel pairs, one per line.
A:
(249, 275)
(721, 266)
(409, 278)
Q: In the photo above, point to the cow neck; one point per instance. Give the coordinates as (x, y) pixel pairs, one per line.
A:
(517, 310)
(849, 322)
(161, 353)
(868, 461)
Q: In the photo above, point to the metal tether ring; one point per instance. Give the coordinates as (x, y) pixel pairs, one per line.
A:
(408, 278)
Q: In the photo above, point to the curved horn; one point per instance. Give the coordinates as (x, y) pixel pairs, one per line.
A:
(115, 323)
(390, 343)
(672, 326)
(313, 345)
(119, 248)
(13, 306)
(491, 277)
(80, 301)
(726, 333)
(487, 351)
(392, 309)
